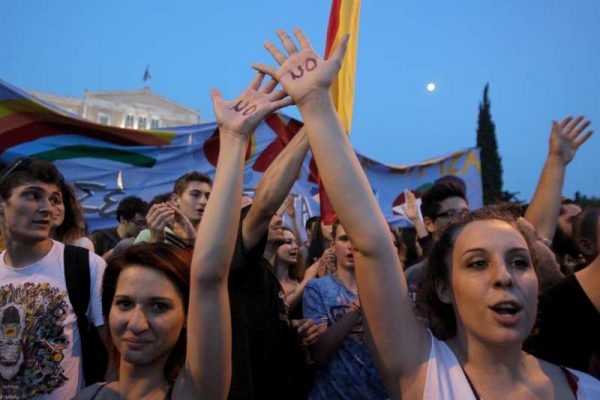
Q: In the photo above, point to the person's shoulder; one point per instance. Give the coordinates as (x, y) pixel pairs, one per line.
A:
(143, 236)
(90, 392)
(96, 261)
(321, 283)
(588, 386)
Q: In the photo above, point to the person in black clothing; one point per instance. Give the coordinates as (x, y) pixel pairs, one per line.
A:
(568, 331)
(131, 214)
(266, 343)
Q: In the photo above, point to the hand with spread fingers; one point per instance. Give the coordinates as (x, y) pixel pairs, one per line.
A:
(566, 137)
(242, 115)
(303, 72)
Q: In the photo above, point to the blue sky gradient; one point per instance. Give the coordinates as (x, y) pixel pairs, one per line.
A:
(541, 58)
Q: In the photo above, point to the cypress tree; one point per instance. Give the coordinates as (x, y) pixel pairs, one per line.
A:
(491, 163)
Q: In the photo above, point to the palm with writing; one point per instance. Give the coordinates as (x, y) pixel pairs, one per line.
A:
(242, 115)
(566, 137)
(304, 72)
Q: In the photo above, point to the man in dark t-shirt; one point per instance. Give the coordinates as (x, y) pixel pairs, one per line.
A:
(265, 343)
(131, 214)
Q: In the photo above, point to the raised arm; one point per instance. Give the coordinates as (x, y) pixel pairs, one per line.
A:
(207, 372)
(401, 339)
(273, 188)
(565, 139)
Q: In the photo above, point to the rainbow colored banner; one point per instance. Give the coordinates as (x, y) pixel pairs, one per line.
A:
(106, 163)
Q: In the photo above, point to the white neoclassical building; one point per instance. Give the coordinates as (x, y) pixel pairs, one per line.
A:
(133, 109)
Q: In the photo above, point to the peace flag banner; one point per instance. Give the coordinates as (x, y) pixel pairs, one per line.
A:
(107, 163)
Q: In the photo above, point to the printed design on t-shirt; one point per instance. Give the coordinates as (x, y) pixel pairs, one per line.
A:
(338, 312)
(32, 340)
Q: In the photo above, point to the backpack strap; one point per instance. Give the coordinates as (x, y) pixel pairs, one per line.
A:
(77, 277)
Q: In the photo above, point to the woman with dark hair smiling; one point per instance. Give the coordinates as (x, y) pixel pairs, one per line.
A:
(144, 294)
(68, 224)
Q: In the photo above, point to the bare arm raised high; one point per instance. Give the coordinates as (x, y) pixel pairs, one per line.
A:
(207, 371)
(401, 340)
(565, 139)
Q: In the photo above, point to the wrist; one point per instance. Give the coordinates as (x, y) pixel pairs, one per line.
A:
(232, 136)
(556, 160)
(314, 101)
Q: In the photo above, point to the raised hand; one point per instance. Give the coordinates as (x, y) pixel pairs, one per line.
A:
(189, 230)
(566, 137)
(242, 115)
(303, 72)
(158, 218)
(411, 210)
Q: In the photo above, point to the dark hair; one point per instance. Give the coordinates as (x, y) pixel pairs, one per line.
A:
(431, 199)
(73, 226)
(296, 271)
(441, 316)
(24, 170)
(318, 244)
(586, 225)
(159, 198)
(183, 181)
(310, 222)
(334, 228)
(407, 241)
(130, 206)
(164, 258)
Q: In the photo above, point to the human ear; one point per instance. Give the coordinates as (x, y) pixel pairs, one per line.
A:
(443, 292)
(175, 199)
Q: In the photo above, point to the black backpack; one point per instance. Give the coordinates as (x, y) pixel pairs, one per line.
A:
(77, 276)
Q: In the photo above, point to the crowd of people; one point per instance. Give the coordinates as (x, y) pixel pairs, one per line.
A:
(202, 293)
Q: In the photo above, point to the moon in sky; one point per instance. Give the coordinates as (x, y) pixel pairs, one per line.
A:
(430, 87)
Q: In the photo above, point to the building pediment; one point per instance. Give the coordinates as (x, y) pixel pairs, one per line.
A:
(144, 97)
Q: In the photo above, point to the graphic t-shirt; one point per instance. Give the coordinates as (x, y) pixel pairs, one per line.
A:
(40, 349)
(350, 373)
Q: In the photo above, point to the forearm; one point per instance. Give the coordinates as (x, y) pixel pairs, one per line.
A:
(544, 208)
(296, 296)
(380, 277)
(333, 337)
(216, 235)
(341, 173)
(279, 178)
(273, 187)
(422, 231)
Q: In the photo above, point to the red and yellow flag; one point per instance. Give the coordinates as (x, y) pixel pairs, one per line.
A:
(343, 19)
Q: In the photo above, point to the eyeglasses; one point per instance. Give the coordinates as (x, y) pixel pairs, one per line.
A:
(450, 213)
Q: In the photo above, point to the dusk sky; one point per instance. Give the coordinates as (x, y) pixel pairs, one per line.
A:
(540, 57)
